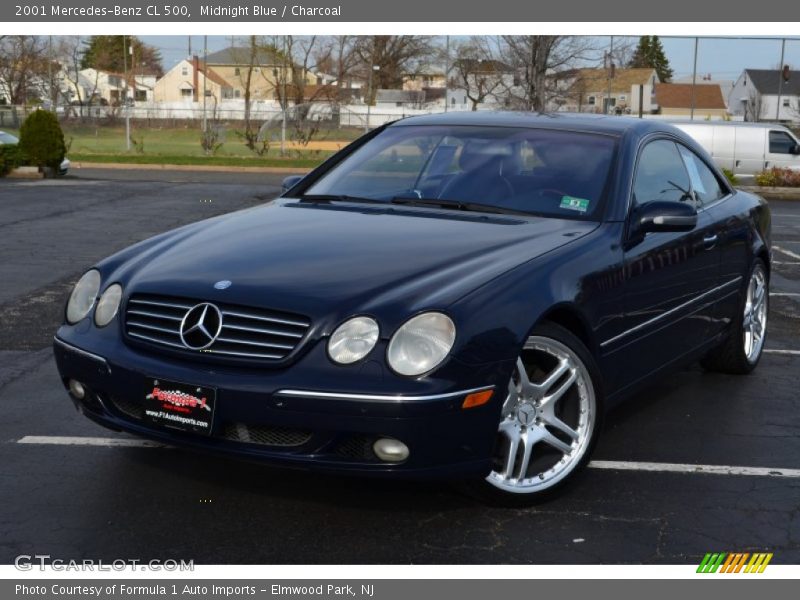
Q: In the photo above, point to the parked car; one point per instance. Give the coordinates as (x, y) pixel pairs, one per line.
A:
(12, 140)
(746, 148)
(456, 296)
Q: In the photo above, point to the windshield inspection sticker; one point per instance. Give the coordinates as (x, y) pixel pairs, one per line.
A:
(571, 203)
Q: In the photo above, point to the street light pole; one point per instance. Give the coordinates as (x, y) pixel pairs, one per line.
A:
(780, 80)
(205, 80)
(369, 96)
(125, 94)
(694, 79)
(446, 70)
(286, 67)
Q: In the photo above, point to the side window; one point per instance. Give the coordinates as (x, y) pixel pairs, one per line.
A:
(704, 183)
(780, 142)
(661, 174)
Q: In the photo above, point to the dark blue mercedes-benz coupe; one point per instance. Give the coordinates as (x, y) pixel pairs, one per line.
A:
(456, 296)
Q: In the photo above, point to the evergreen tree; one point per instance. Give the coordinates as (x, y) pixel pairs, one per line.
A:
(112, 53)
(650, 54)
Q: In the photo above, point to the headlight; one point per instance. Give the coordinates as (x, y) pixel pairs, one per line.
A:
(83, 295)
(108, 305)
(353, 340)
(421, 344)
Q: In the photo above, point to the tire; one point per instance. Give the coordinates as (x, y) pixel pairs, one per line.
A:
(739, 354)
(549, 422)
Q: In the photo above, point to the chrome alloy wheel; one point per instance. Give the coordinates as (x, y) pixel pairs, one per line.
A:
(547, 419)
(755, 315)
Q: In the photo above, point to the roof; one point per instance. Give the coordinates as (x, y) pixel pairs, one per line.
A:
(236, 55)
(594, 80)
(679, 95)
(214, 76)
(595, 123)
(766, 81)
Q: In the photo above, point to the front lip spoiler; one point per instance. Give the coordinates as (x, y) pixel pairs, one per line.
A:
(93, 357)
(380, 397)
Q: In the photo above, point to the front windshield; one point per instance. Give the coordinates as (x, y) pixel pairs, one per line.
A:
(538, 171)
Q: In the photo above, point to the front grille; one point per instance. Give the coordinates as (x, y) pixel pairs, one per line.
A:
(265, 435)
(248, 333)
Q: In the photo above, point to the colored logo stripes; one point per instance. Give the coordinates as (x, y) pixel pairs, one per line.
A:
(735, 562)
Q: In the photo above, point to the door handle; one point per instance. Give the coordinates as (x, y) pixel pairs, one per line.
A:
(766, 164)
(710, 241)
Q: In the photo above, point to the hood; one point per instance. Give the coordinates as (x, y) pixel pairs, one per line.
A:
(336, 260)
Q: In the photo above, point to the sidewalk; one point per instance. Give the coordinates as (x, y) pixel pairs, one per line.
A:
(168, 167)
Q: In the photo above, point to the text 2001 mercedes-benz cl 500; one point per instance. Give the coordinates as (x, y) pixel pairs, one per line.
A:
(457, 296)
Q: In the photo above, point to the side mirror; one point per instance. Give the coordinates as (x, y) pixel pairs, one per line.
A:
(665, 216)
(289, 182)
(796, 149)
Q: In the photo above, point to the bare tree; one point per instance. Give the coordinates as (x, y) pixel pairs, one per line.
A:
(534, 58)
(476, 71)
(393, 56)
(23, 66)
(754, 107)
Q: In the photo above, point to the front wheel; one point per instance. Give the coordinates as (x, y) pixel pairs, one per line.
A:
(741, 350)
(549, 419)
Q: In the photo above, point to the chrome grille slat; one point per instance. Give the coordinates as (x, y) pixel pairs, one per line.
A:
(155, 340)
(259, 344)
(264, 331)
(144, 313)
(247, 333)
(230, 313)
(153, 327)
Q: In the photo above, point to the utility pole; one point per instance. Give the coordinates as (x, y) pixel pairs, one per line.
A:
(372, 68)
(285, 98)
(780, 80)
(190, 47)
(205, 80)
(125, 94)
(610, 75)
(50, 72)
(694, 78)
(446, 70)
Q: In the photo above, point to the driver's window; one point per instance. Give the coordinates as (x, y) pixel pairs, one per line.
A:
(780, 142)
(661, 175)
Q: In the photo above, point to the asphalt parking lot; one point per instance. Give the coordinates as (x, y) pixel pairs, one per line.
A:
(135, 502)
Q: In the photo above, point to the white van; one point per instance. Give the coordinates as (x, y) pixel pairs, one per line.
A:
(745, 148)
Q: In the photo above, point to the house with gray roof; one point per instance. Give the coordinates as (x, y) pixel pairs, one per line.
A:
(764, 94)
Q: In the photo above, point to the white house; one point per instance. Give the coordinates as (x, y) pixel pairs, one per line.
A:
(755, 95)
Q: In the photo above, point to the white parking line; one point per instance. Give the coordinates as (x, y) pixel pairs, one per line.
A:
(88, 441)
(787, 352)
(784, 294)
(786, 262)
(787, 252)
(613, 465)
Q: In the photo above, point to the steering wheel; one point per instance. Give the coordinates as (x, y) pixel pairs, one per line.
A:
(552, 192)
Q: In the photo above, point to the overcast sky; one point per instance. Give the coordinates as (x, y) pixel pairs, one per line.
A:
(724, 59)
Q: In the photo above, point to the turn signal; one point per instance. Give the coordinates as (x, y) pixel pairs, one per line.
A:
(477, 399)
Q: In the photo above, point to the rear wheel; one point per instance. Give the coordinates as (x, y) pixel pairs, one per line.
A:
(549, 420)
(741, 350)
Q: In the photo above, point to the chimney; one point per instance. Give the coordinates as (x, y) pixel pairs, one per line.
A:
(195, 78)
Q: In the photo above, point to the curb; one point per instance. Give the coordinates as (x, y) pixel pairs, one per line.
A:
(209, 168)
(772, 193)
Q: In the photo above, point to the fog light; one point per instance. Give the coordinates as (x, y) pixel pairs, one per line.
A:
(390, 450)
(76, 389)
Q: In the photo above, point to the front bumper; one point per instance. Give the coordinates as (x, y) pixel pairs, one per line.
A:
(269, 417)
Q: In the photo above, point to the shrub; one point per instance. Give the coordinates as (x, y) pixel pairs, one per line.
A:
(777, 177)
(41, 140)
(9, 159)
(732, 179)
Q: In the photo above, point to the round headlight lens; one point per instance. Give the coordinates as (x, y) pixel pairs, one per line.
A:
(83, 295)
(421, 344)
(353, 340)
(108, 305)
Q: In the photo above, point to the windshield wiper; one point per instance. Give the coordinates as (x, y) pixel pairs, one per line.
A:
(338, 198)
(458, 205)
